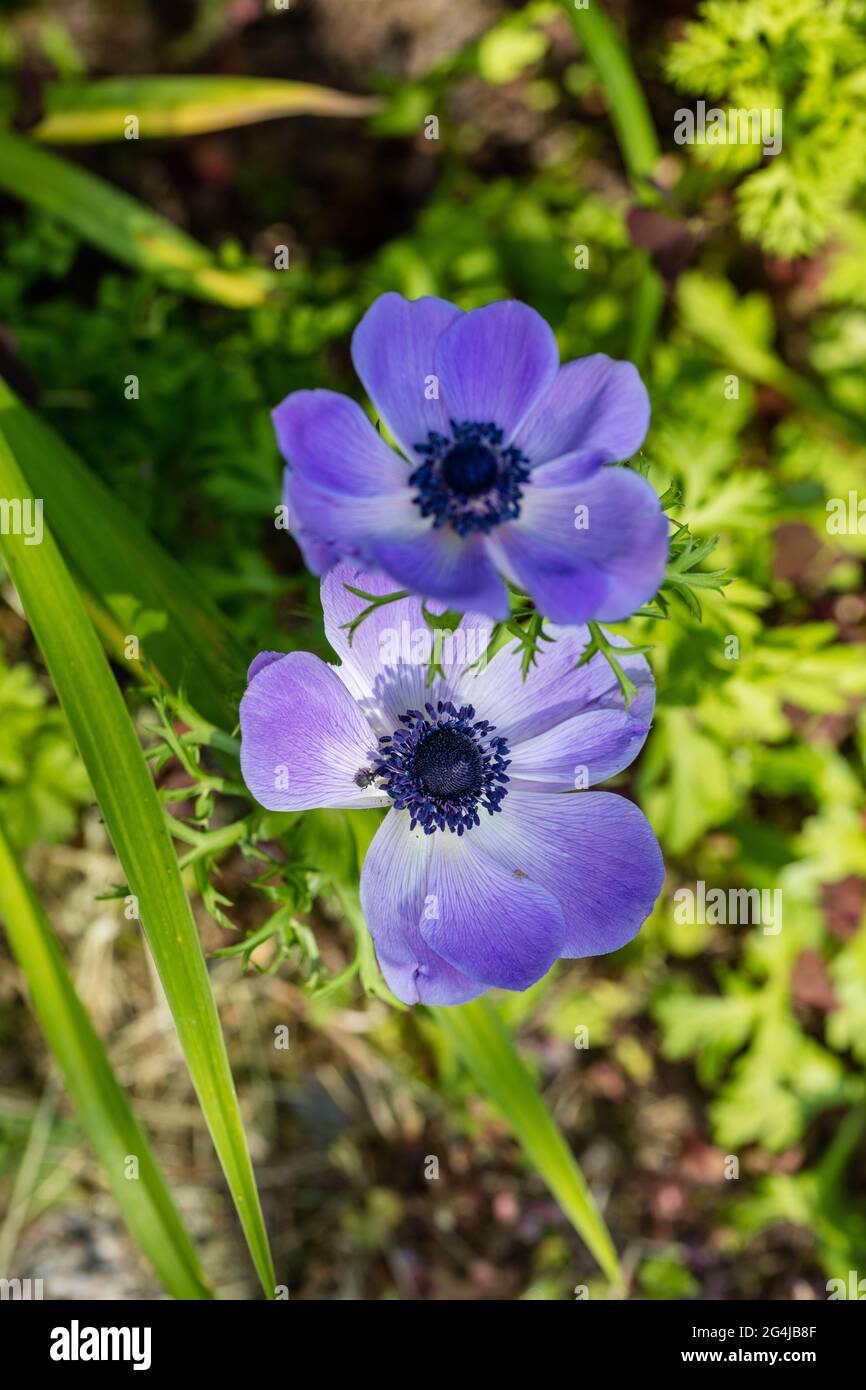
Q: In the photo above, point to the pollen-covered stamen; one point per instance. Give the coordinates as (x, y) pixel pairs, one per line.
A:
(442, 766)
(468, 478)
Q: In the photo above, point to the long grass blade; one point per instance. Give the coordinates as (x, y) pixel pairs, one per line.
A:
(103, 1109)
(122, 227)
(639, 145)
(85, 112)
(134, 819)
(490, 1055)
(629, 110)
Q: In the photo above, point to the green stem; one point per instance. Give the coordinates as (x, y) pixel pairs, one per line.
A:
(600, 645)
(638, 143)
(629, 111)
(371, 976)
(212, 841)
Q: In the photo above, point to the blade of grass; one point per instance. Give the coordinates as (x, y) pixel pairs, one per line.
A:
(489, 1054)
(29, 1168)
(122, 227)
(649, 302)
(105, 1114)
(629, 111)
(135, 587)
(133, 816)
(84, 112)
(638, 142)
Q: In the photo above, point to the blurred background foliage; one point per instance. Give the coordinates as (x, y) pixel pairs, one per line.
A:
(739, 283)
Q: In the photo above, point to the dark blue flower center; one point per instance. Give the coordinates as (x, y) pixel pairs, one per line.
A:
(448, 763)
(469, 469)
(443, 765)
(468, 478)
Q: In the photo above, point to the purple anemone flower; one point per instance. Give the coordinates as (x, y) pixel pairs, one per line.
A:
(489, 865)
(505, 475)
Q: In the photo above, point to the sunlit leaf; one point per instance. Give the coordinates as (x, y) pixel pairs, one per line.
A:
(122, 227)
(189, 104)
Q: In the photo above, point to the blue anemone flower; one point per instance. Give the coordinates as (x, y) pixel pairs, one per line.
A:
(489, 865)
(503, 469)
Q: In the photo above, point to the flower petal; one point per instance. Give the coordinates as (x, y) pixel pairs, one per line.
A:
(327, 439)
(565, 588)
(303, 738)
(594, 851)
(555, 690)
(394, 900)
(588, 748)
(596, 408)
(494, 363)
(319, 554)
(606, 567)
(328, 525)
(393, 349)
(458, 570)
(484, 916)
(387, 663)
(259, 662)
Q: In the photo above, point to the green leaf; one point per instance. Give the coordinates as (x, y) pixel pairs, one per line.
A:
(682, 576)
(737, 331)
(122, 227)
(490, 1055)
(42, 781)
(134, 587)
(83, 112)
(104, 1111)
(689, 783)
(510, 47)
(134, 819)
